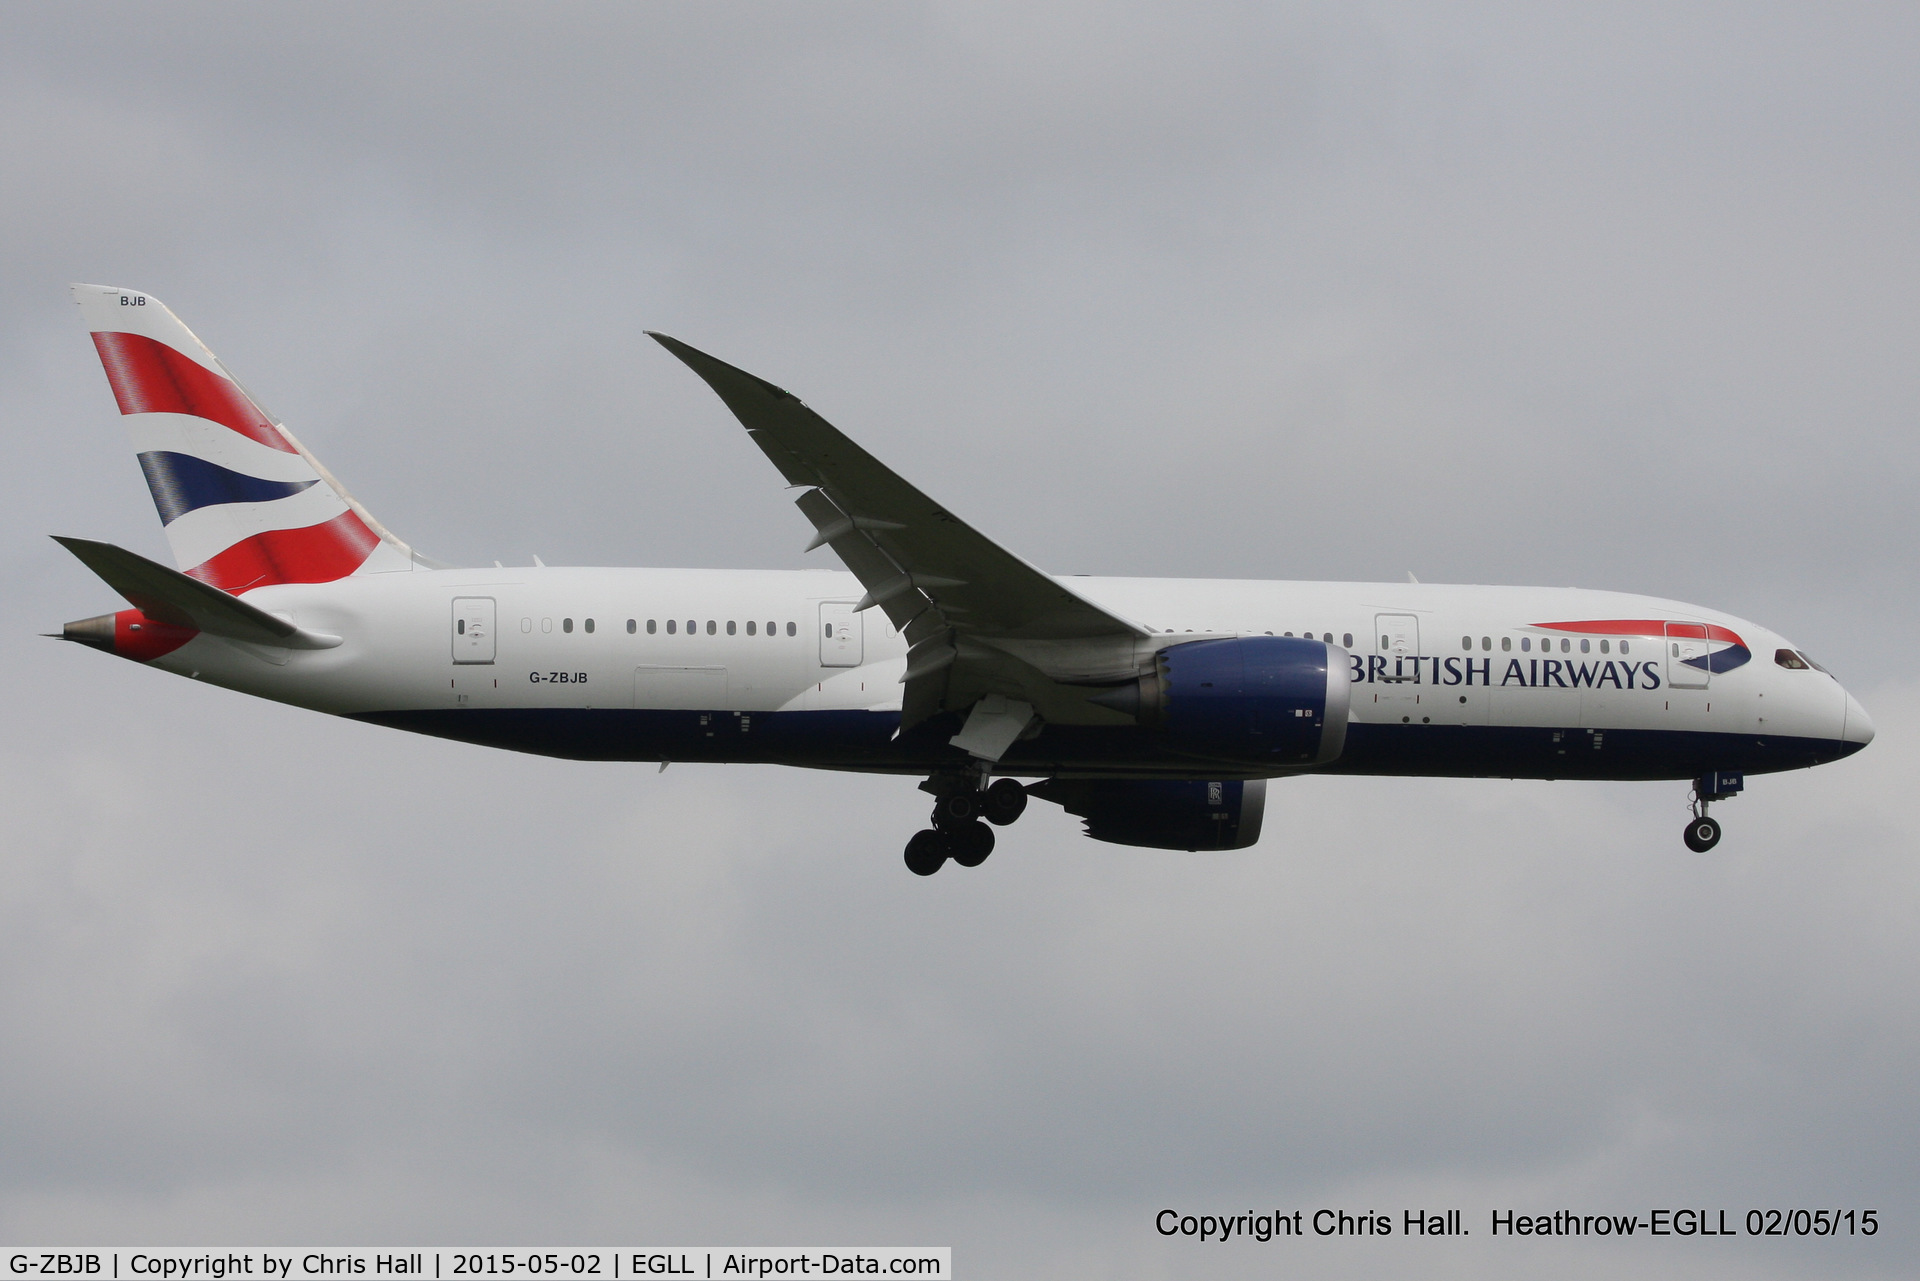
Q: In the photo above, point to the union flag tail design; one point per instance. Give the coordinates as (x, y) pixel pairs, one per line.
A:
(244, 505)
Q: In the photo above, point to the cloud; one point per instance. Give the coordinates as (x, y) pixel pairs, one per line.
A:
(1617, 299)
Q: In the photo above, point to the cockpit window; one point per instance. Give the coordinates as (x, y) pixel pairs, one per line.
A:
(1790, 660)
(1808, 659)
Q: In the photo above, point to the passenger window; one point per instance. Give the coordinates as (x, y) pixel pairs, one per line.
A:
(1585, 646)
(1623, 647)
(1289, 633)
(632, 626)
(1466, 642)
(1506, 643)
(829, 631)
(1328, 638)
(1346, 639)
(526, 624)
(546, 625)
(692, 627)
(790, 630)
(1486, 642)
(589, 625)
(566, 624)
(771, 629)
(650, 626)
(750, 626)
(711, 629)
(730, 628)
(671, 625)
(1790, 660)
(1603, 647)
(1565, 644)
(461, 627)
(1526, 645)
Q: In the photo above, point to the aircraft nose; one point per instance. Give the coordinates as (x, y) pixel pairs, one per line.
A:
(1857, 729)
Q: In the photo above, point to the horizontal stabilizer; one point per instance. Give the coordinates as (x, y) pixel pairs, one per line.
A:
(168, 596)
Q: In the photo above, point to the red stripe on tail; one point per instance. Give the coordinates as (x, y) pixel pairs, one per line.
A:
(150, 377)
(317, 554)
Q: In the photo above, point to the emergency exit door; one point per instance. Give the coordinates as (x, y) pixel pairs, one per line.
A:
(473, 629)
(840, 635)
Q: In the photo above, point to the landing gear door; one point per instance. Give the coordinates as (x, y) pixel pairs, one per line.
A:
(1397, 640)
(840, 635)
(473, 639)
(1687, 656)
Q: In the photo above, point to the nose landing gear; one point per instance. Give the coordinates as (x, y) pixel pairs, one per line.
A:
(1703, 833)
(960, 803)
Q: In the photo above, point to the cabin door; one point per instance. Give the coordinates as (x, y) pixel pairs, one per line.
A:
(840, 635)
(473, 639)
(1395, 688)
(1397, 640)
(1686, 647)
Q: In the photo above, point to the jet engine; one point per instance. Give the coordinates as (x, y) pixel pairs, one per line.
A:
(1163, 814)
(1276, 701)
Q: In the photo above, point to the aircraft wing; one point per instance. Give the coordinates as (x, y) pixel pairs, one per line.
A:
(979, 619)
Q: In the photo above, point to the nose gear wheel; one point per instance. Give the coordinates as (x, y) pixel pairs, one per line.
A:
(1702, 834)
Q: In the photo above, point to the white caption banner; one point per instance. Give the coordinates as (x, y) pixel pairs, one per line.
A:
(566, 1263)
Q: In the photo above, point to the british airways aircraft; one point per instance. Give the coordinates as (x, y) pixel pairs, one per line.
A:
(1156, 710)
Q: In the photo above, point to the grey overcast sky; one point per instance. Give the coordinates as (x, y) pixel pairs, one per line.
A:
(1617, 296)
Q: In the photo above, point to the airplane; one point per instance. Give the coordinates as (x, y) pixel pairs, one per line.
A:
(1154, 710)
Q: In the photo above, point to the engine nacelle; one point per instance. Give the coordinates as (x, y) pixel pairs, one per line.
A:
(1276, 701)
(1163, 814)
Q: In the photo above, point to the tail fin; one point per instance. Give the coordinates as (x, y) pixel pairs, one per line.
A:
(243, 503)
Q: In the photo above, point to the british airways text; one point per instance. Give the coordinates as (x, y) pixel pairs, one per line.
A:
(1530, 673)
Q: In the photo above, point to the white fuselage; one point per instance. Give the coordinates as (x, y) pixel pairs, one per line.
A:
(732, 644)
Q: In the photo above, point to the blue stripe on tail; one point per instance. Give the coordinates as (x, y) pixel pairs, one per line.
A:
(182, 483)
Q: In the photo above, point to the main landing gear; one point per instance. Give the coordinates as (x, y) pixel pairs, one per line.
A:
(1703, 833)
(960, 803)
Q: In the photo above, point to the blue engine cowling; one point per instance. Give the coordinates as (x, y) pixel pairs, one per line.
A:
(1164, 814)
(1276, 701)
